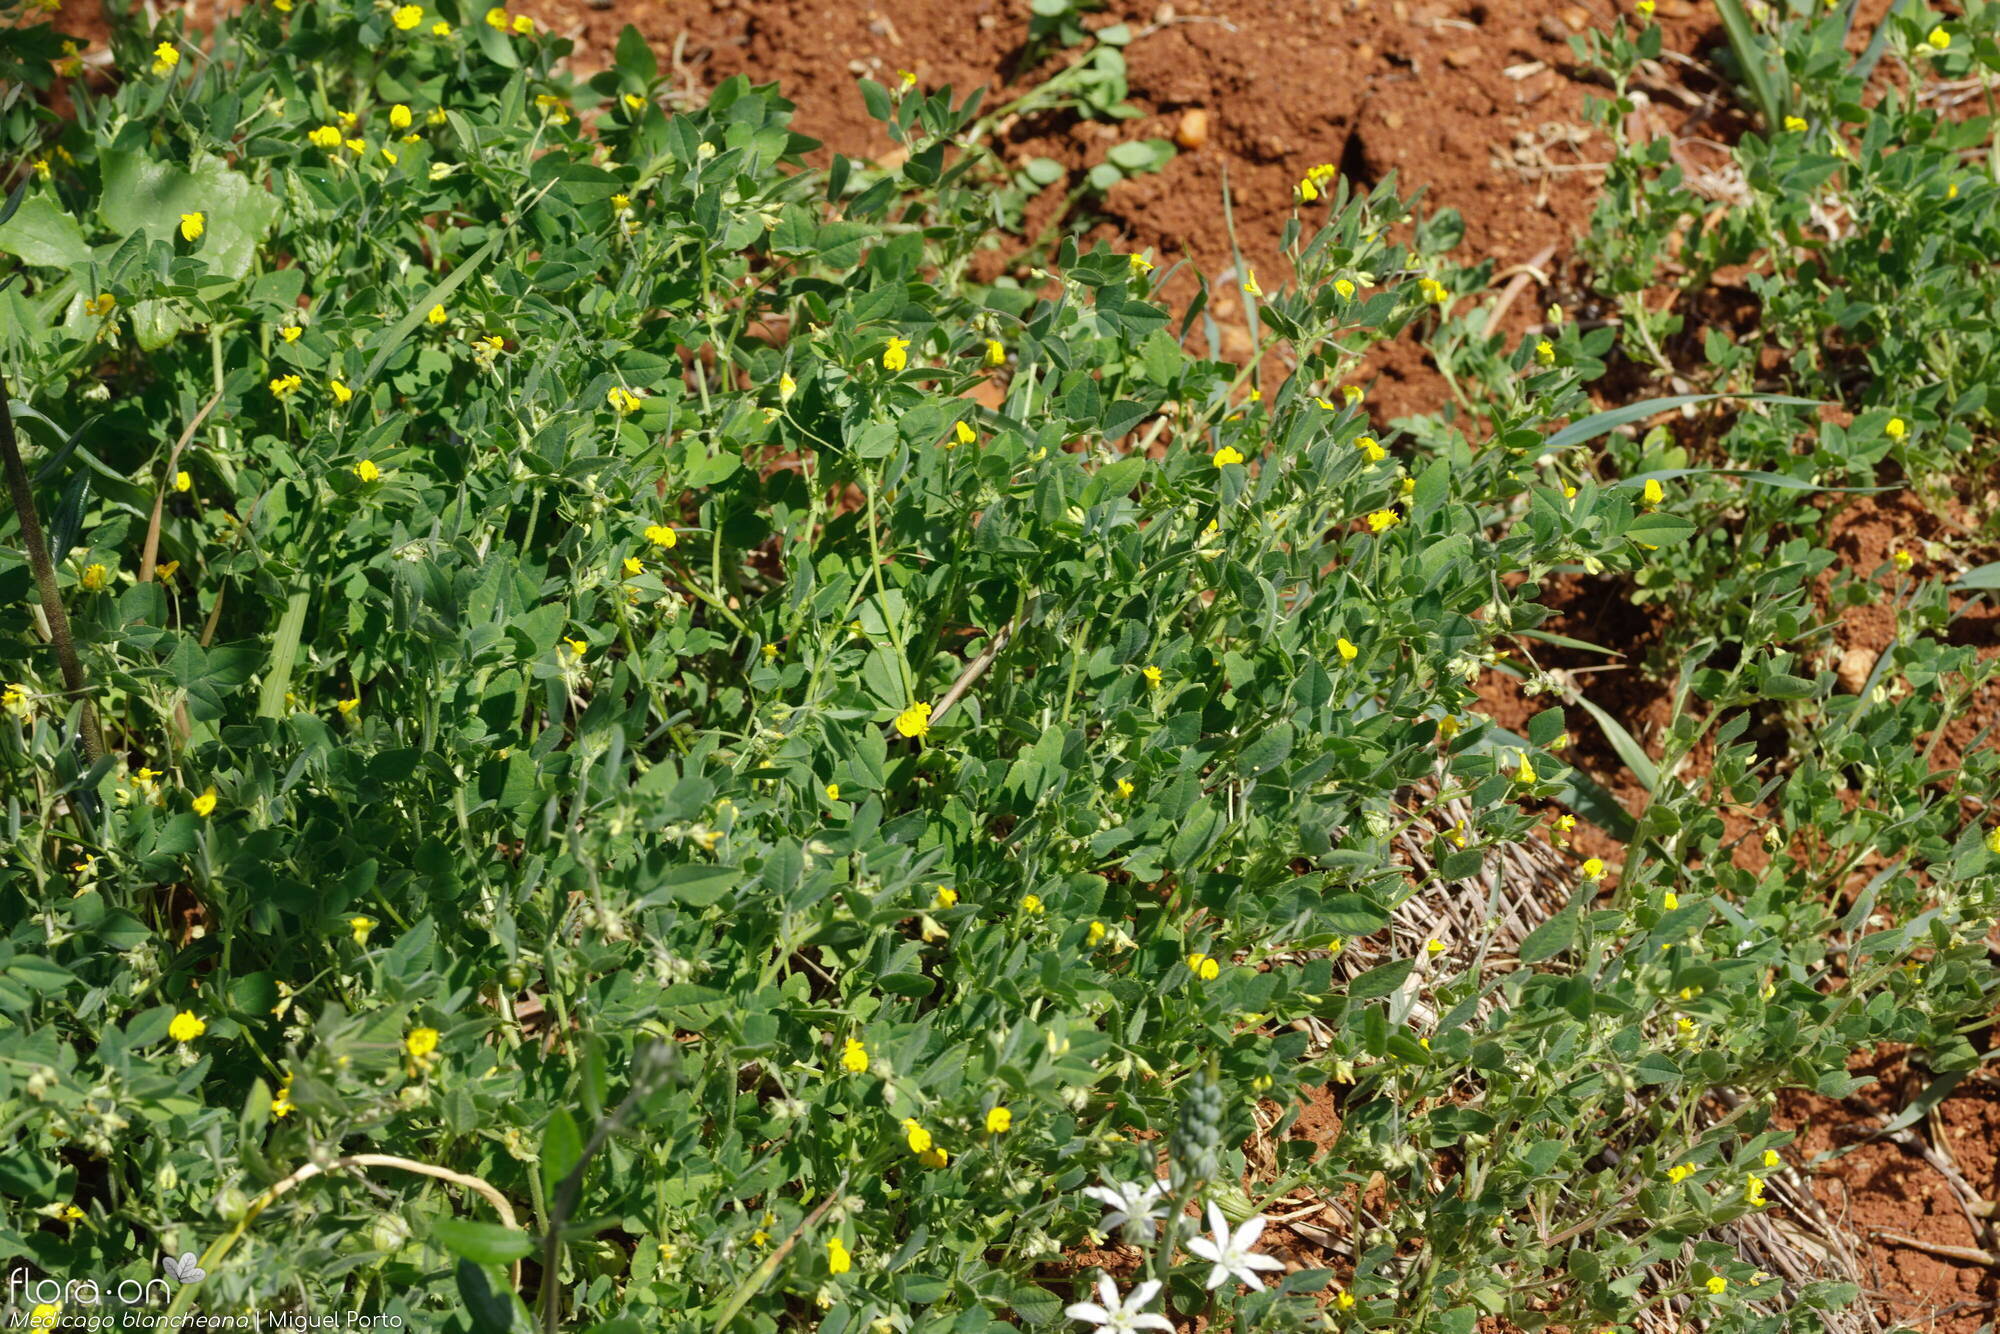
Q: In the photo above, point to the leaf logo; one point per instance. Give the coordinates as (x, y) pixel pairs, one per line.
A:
(183, 1270)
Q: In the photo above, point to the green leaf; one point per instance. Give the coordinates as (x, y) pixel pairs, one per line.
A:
(1628, 747)
(562, 1149)
(42, 234)
(144, 194)
(1380, 981)
(1354, 914)
(1549, 939)
(483, 1243)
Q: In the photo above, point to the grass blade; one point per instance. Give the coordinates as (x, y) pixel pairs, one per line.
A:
(1627, 746)
(284, 652)
(1754, 59)
(415, 315)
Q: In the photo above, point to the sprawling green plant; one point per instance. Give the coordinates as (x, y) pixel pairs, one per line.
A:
(668, 760)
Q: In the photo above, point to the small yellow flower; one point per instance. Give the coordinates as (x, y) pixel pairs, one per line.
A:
(1344, 289)
(1152, 675)
(996, 352)
(662, 536)
(1381, 521)
(1250, 287)
(1993, 840)
(1204, 966)
(95, 577)
(497, 17)
(348, 706)
(367, 471)
(634, 567)
(1348, 652)
(1032, 905)
(1771, 1158)
(1652, 493)
(1896, 429)
(1679, 1173)
(407, 17)
(1593, 868)
(1371, 448)
(999, 1121)
(186, 1027)
(964, 434)
(1138, 265)
(183, 481)
(918, 1138)
(1753, 1190)
(946, 898)
(1684, 1024)
(1795, 124)
(1545, 353)
(360, 927)
(400, 117)
(1434, 947)
(933, 1157)
(46, 1315)
(326, 136)
(1670, 901)
(1565, 823)
(421, 1042)
(523, 25)
(577, 648)
(100, 305)
(204, 805)
(896, 355)
(1124, 787)
(284, 386)
(622, 400)
(915, 721)
(341, 393)
(193, 225)
(1344, 1300)
(165, 56)
(1903, 560)
(1432, 291)
(1095, 935)
(838, 1261)
(1526, 772)
(1307, 191)
(1717, 1285)
(1644, 8)
(437, 315)
(1227, 455)
(1939, 40)
(440, 29)
(833, 792)
(854, 1057)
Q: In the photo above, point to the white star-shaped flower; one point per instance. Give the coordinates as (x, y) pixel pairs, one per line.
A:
(1130, 1203)
(1112, 1316)
(1230, 1252)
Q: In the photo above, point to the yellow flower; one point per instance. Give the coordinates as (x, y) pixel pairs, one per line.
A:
(1348, 653)
(186, 1027)
(854, 1057)
(1125, 788)
(1250, 287)
(1448, 727)
(1795, 124)
(1545, 352)
(347, 706)
(1684, 1024)
(437, 315)
(182, 480)
(964, 433)
(833, 792)
(1344, 289)
(1138, 265)
(1307, 191)
(1094, 936)
(1903, 560)
(100, 305)
(1227, 455)
(577, 648)
(1717, 1285)
(1670, 901)
(1152, 675)
(918, 1138)
(996, 352)
(326, 136)
(341, 393)
(1371, 448)
(1593, 868)
(915, 721)
(204, 805)
(407, 17)
(1896, 429)
(1031, 904)
(1344, 1300)
(1644, 8)
(1565, 823)
(838, 1261)
(622, 400)
(367, 471)
(1993, 840)
(896, 355)
(662, 536)
(1434, 947)
(906, 78)
(1679, 1173)
(933, 1157)
(285, 385)
(399, 116)
(95, 577)
(360, 927)
(496, 17)
(1526, 772)
(440, 29)
(1381, 521)
(634, 567)
(1939, 39)
(421, 1042)
(1753, 1190)
(946, 898)
(523, 25)
(165, 56)
(1652, 493)
(1432, 291)
(1204, 966)
(999, 1121)
(193, 225)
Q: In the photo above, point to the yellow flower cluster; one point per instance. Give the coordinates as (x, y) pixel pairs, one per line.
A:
(1314, 183)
